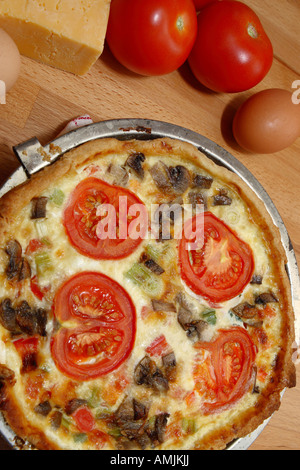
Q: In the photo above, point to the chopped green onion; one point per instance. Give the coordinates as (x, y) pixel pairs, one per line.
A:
(79, 437)
(151, 420)
(41, 228)
(153, 252)
(209, 315)
(65, 421)
(115, 432)
(43, 262)
(103, 412)
(46, 241)
(149, 282)
(162, 253)
(57, 197)
(189, 426)
(94, 398)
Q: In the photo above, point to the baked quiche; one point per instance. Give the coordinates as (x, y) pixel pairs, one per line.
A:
(144, 302)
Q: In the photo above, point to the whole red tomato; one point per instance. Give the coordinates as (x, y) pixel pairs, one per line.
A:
(232, 52)
(152, 37)
(199, 4)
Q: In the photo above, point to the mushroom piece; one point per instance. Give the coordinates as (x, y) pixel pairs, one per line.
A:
(38, 208)
(25, 270)
(197, 200)
(156, 429)
(130, 419)
(31, 321)
(169, 364)
(153, 266)
(147, 373)
(256, 279)
(248, 314)
(161, 176)
(43, 408)
(170, 179)
(6, 374)
(74, 404)
(8, 316)
(119, 174)
(180, 178)
(162, 306)
(185, 317)
(203, 182)
(134, 161)
(18, 268)
(14, 251)
(266, 298)
(222, 199)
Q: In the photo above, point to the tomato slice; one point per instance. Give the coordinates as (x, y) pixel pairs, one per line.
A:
(81, 220)
(98, 324)
(220, 266)
(224, 370)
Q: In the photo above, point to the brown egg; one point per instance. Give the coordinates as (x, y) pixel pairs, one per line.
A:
(267, 122)
(10, 61)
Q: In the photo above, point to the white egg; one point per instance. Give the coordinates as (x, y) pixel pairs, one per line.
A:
(10, 60)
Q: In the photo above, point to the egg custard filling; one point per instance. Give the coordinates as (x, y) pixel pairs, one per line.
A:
(127, 325)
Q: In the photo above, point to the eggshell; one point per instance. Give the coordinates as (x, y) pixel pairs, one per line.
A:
(267, 122)
(10, 60)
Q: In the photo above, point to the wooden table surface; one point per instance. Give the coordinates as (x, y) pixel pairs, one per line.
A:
(44, 100)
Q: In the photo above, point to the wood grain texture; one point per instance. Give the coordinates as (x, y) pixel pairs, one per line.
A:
(44, 100)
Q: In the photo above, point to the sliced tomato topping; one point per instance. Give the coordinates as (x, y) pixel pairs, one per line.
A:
(107, 234)
(224, 369)
(98, 326)
(215, 263)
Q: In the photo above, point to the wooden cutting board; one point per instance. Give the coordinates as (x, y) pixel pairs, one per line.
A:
(44, 100)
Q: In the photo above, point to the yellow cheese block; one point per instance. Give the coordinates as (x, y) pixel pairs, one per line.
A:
(67, 34)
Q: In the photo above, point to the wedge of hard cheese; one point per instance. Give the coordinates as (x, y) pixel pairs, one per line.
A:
(67, 34)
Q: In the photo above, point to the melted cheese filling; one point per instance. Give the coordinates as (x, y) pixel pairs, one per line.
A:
(66, 261)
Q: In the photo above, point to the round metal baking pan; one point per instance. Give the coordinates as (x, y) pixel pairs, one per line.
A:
(145, 129)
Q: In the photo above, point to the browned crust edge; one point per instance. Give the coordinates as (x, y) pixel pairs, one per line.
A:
(17, 421)
(284, 371)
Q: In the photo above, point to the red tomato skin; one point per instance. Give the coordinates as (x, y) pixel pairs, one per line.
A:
(241, 384)
(199, 4)
(63, 341)
(225, 57)
(199, 282)
(101, 249)
(144, 35)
